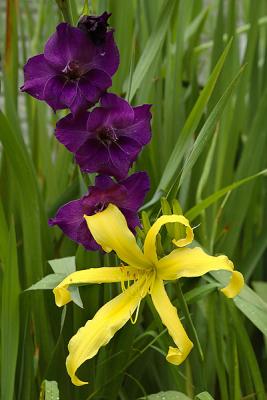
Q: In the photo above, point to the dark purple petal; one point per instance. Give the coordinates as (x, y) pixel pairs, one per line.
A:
(103, 182)
(69, 218)
(140, 129)
(53, 91)
(132, 219)
(107, 56)
(37, 72)
(127, 195)
(130, 147)
(68, 44)
(96, 119)
(93, 84)
(72, 131)
(121, 114)
(137, 186)
(85, 237)
(119, 162)
(92, 156)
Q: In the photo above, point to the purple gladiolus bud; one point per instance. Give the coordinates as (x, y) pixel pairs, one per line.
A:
(95, 26)
(73, 72)
(108, 139)
(128, 195)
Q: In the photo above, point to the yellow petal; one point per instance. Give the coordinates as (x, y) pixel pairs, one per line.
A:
(169, 317)
(109, 229)
(150, 250)
(92, 275)
(234, 286)
(98, 331)
(195, 262)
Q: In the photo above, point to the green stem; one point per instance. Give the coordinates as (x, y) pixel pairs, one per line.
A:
(64, 6)
(189, 322)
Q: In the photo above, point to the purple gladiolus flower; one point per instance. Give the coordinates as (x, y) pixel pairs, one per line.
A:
(128, 195)
(73, 72)
(108, 139)
(95, 26)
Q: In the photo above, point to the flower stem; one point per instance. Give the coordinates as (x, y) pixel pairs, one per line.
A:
(64, 6)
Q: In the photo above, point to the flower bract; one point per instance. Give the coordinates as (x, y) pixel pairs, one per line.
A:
(147, 274)
(95, 26)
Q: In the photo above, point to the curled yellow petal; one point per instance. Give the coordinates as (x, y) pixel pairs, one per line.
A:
(98, 331)
(170, 319)
(109, 229)
(150, 250)
(92, 275)
(190, 263)
(235, 285)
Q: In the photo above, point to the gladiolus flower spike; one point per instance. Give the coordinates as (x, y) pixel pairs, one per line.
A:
(73, 72)
(145, 274)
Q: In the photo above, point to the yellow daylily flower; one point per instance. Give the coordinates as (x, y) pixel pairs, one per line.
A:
(147, 274)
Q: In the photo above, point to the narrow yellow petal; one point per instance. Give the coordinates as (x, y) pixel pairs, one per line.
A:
(92, 275)
(109, 229)
(169, 317)
(150, 250)
(235, 285)
(189, 263)
(98, 331)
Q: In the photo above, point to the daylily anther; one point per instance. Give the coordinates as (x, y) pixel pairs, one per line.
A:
(147, 274)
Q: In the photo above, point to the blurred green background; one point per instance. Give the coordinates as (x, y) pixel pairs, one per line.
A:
(203, 66)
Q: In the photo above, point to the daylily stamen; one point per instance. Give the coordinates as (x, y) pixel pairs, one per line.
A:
(109, 229)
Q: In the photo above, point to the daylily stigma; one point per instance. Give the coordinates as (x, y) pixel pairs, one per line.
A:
(147, 274)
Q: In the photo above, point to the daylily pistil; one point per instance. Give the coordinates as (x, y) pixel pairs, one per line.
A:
(144, 274)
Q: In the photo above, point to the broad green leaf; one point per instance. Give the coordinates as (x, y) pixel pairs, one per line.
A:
(48, 282)
(49, 390)
(64, 265)
(204, 396)
(251, 305)
(261, 289)
(170, 395)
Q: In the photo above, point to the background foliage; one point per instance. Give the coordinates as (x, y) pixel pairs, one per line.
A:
(203, 66)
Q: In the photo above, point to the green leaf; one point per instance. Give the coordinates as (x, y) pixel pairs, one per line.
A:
(251, 305)
(195, 211)
(152, 46)
(170, 395)
(48, 282)
(49, 390)
(208, 128)
(170, 172)
(64, 265)
(9, 318)
(261, 289)
(204, 396)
